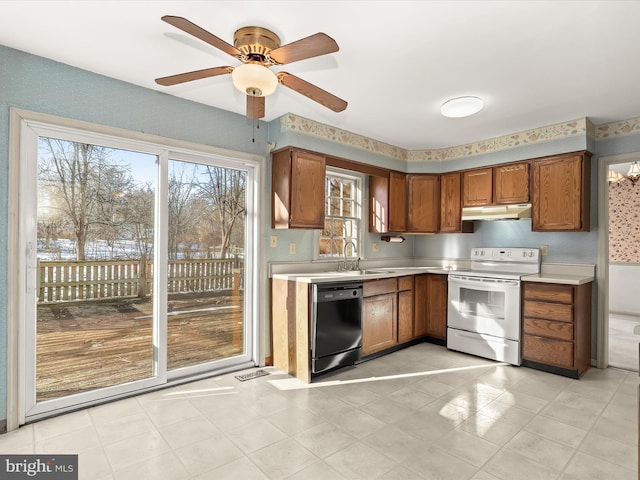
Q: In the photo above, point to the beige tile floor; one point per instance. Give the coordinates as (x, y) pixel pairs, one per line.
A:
(419, 413)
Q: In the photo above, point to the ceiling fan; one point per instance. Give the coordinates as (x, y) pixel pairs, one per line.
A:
(258, 49)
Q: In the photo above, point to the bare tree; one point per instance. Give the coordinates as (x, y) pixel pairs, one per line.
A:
(224, 191)
(183, 218)
(82, 184)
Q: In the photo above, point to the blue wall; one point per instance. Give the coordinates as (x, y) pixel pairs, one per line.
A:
(41, 85)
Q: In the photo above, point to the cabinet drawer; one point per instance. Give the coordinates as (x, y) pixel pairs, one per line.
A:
(548, 351)
(379, 287)
(545, 328)
(548, 311)
(405, 283)
(548, 293)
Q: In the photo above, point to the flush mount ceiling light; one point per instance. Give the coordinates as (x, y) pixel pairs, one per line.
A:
(461, 107)
(254, 79)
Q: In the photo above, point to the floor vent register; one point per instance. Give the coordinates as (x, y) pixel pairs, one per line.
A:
(250, 376)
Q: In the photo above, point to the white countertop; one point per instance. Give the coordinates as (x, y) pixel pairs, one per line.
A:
(558, 278)
(569, 274)
(367, 274)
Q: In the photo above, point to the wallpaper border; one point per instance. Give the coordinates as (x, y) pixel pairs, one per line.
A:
(583, 126)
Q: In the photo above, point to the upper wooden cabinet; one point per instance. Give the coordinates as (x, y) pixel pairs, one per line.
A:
(501, 185)
(297, 185)
(451, 205)
(477, 187)
(404, 203)
(511, 184)
(388, 203)
(561, 193)
(423, 203)
(397, 202)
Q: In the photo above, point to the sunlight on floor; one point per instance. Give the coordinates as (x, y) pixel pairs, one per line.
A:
(296, 384)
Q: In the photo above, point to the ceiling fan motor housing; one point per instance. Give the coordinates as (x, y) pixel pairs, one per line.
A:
(256, 43)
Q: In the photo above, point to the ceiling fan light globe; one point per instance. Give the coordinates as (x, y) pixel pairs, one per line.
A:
(461, 107)
(254, 80)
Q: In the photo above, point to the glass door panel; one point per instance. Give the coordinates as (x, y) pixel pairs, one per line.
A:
(94, 268)
(206, 250)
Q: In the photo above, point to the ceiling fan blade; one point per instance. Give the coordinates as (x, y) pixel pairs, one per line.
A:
(190, 76)
(199, 32)
(311, 91)
(313, 46)
(255, 107)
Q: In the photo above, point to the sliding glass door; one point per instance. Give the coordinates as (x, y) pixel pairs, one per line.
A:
(136, 267)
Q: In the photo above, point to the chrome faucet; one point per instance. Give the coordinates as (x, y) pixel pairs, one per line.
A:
(350, 265)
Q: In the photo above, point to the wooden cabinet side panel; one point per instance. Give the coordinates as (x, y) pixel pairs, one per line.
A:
(477, 187)
(379, 323)
(437, 288)
(280, 189)
(420, 305)
(405, 316)
(423, 203)
(378, 204)
(307, 190)
(583, 327)
(450, 202)
(290, 342)
(558, 201)
(397, 202)
(511, 184)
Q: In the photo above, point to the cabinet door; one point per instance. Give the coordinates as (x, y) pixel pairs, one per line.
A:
(307, 190)
(379, 323)
(511, 184)
(405, 309)
(437, 288)
(450, 203)
(477, 187)
(397, 202)
(423, 203)
(378, 204)
(561, 194)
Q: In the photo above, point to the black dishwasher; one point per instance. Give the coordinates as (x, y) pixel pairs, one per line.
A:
(336, 325)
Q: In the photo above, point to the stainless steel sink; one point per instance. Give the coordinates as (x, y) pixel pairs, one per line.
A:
(367, 272)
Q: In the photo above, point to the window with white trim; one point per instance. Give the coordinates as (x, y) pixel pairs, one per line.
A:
(342, 221)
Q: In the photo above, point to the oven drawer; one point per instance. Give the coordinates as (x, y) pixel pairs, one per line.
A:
(548, 293)
(548, 351)
(486, 346)
(546, 328)
(549, 311)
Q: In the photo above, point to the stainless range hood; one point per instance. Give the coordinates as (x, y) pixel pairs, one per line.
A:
(497, 212)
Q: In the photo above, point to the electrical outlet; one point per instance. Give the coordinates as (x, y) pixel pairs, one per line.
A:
(274, 241)
(544, 250)
(375, 247)
(292, 248)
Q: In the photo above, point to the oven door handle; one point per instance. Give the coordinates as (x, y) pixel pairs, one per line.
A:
(463, 280)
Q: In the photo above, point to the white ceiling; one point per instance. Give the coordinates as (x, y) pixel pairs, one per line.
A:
(535, 63)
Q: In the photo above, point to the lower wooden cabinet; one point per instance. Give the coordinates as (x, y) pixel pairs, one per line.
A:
(431, 306)
(556, 327)
(379, 315)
